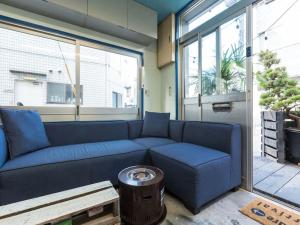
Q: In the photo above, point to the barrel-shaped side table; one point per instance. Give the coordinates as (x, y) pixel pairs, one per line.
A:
(141, 190)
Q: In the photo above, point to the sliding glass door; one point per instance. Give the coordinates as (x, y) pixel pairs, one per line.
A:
(215, 77)
(215, 66)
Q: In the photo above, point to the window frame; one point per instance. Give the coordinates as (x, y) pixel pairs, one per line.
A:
(203, 30)
(184, 66)
(77, 109)
(224, 16)
(196, 9)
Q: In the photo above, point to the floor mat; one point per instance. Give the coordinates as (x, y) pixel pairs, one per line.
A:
(267, 213)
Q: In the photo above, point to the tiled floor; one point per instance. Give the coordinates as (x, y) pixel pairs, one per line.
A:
(223, 211)
(278, 180)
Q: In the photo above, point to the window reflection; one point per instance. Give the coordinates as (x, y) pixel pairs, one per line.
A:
(208, 59)
(212, 11)
(233, 58)
(191, 70)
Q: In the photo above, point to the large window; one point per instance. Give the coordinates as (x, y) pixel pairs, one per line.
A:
(221, 67)
(233, 56)
(38, 69)
(191, 73)
(222, 61)
(28, 63)
(209, 64)
(103, 73)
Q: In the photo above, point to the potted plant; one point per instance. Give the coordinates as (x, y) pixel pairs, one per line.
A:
(281, 96)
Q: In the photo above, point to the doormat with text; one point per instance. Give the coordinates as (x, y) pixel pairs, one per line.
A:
(267, 213)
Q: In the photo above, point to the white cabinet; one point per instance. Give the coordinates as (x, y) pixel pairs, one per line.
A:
(142, 19)
(113, 11)
(76, 5)
(124, 19)
(125, 13)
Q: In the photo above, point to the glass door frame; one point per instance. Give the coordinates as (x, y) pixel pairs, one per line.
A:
(247, 7)
(243, 7)
(188, 100)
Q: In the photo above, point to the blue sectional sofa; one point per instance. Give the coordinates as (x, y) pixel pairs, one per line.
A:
(200, 160)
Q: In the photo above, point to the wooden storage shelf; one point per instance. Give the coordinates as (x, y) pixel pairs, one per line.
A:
(166, 42)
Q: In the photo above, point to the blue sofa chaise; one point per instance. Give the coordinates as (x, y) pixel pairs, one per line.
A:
(201, 160)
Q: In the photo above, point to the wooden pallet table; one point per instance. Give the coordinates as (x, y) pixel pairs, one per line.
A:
(95, 204)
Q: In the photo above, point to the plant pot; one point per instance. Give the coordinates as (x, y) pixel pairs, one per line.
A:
(293, 144)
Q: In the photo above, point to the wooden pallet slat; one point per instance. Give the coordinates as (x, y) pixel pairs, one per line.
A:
(23, 206)
(271, 151)
(109, 219)
(273, 143)
(49, 209)
(270, 115)
(271, 133)
(270, 125)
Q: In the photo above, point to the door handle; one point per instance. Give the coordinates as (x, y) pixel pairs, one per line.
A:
(199, 100)
(222, 106)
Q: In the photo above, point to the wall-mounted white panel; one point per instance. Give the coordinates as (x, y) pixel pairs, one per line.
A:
(106, 16)
(142, 19)
(113, 11)
(76, 5)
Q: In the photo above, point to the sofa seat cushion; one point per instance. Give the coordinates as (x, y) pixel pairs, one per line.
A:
(190, 154)
(68, 167)
(193, 173)
(72, 152)
(152, 141)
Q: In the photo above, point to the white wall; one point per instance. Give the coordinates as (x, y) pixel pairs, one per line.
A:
(168, 90)
(151, 78)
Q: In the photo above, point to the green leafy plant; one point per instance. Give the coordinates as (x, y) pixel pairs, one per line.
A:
(232, 73)
(233, 69)
(208, 83)
(281, 93)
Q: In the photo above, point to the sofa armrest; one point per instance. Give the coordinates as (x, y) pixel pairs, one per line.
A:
(219, 136)
(236, 155)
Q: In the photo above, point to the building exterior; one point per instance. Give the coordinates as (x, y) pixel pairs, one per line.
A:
(38, 71)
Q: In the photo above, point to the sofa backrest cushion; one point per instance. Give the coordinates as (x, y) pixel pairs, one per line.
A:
(135, 128)
(176, 130)
(208, 134)
(24, 131)
(3, 148)
(156, 124)
(78, 132)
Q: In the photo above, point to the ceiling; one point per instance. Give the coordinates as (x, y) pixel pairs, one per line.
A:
(164, 7)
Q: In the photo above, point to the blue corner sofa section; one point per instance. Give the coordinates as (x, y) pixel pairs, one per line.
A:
(200, 160)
